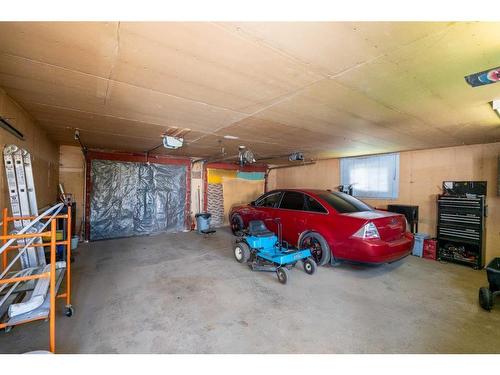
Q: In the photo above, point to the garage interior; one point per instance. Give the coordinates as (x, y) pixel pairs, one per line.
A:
(95, 103)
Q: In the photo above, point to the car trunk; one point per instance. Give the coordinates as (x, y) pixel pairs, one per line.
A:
(390, 226)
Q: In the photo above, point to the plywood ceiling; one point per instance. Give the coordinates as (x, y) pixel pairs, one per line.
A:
(328, 89)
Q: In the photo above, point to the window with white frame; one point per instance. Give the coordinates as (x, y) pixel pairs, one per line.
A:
(374, 176)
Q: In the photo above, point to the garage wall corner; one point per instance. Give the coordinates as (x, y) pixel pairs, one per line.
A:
(44, 152)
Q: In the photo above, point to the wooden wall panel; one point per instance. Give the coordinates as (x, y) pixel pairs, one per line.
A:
(72, 177)
(239, 191)
(322, 175)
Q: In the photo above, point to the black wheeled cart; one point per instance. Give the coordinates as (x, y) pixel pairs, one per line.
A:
(487, 294)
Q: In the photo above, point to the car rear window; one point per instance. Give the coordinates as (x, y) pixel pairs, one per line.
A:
(344, 203)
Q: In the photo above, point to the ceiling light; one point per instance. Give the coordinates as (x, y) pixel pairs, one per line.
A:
(231, 137)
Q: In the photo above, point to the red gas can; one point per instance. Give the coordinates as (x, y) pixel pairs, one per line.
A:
(430, 249)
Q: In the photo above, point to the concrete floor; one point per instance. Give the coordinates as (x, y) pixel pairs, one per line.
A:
(181, 293)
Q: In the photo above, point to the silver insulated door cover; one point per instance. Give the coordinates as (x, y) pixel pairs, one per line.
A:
(132, 199)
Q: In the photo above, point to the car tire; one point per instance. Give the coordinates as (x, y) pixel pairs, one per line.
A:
(320, 251)
(237, 225)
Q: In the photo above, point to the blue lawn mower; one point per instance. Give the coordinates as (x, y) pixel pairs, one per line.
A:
(263, 251)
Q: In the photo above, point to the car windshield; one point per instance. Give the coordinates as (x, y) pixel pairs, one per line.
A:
(344, 203)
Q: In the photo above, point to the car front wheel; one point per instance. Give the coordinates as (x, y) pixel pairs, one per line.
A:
(237, 225)
(320, 251)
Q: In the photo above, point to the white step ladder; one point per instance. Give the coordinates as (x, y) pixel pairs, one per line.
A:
(34, 303)
(30, 186)
(19, 173)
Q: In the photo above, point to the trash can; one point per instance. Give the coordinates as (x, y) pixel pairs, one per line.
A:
(203, 222)
(418, 247)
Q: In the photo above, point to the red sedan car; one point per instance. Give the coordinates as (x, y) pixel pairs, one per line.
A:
(334, 225)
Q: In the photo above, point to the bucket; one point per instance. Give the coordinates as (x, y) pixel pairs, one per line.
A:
(74, 242)
(203, 221)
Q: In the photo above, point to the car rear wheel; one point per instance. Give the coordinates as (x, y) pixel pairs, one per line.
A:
(320, 251)
(237, 225)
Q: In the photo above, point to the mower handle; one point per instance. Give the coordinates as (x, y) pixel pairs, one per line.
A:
(277, 220)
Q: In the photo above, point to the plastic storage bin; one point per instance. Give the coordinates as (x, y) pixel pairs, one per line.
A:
(418, 247)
